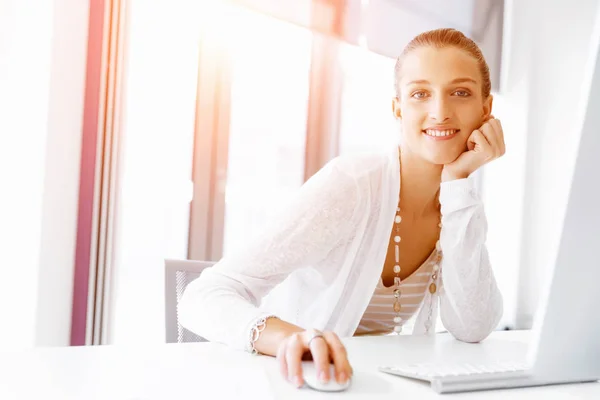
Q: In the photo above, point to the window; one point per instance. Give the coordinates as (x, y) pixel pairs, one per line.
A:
(269, 97)
(366, 120)
(270, 65)
(157, 128)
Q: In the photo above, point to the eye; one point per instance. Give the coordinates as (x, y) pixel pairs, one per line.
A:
(462, 93)
(419, 95)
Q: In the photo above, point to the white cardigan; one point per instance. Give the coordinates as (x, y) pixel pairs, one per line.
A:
(317, 263)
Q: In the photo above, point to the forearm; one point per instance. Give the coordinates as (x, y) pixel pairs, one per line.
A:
(471, 304)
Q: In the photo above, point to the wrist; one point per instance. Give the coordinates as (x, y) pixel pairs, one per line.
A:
(273, 334)
(449, 175)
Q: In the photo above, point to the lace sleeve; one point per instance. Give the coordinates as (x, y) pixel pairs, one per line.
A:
(471, 304)
(222, 304)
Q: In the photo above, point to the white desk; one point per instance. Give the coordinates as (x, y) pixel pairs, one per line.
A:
(209, 371)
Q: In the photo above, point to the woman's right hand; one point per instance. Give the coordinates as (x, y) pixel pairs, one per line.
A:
(324, 348)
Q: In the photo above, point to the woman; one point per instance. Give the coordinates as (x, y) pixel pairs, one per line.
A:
(359, 250)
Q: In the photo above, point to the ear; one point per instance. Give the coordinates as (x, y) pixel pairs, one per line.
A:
(396, 108)
(487, 107)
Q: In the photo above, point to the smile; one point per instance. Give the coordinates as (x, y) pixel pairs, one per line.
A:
(445, 134)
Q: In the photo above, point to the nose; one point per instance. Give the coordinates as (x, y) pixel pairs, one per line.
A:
(440, 110)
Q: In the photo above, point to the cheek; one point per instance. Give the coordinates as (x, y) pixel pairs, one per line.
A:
(413, 119)
(471, 117)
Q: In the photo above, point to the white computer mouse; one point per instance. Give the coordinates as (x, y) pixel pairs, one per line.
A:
(309, 372)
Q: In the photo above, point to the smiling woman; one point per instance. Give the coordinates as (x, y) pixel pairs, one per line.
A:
(373, 241)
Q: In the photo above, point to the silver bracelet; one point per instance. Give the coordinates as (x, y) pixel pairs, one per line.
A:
(256, 330)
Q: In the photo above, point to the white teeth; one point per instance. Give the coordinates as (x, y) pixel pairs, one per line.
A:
(448, 132)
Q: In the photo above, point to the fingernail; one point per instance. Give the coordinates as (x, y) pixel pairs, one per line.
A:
(342, 378)
(298, 381)
(322, 377)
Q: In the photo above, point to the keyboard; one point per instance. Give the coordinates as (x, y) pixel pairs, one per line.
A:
(446, 377)
(428, 371)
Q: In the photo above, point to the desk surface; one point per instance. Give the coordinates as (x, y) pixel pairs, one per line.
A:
(212, 371)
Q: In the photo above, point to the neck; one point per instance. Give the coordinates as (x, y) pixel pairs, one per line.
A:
(420, 182)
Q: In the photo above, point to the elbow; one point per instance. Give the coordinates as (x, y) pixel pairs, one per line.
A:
(478, 329)
(473, 333)
(185, 308)
(209, 306)
(191, 313)
(470, 336)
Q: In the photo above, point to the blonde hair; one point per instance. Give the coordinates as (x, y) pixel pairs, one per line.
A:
(441, 38)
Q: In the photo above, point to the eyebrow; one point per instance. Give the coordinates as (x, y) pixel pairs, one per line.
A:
(457, 80)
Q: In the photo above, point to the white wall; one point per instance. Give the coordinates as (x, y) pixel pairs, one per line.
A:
(504, 179)
(42, 64)
(546, 49)
(25, 47)
(553, 138)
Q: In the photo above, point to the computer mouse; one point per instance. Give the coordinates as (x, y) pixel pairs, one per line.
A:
(311, 380)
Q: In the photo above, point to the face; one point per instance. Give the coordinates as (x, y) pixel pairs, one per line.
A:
(441, 102)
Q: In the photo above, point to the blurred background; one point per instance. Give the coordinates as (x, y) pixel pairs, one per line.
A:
(137, 130)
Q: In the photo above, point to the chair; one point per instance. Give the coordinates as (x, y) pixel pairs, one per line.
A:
(178, 274)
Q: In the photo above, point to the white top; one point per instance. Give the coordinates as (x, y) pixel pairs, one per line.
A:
(316, 264)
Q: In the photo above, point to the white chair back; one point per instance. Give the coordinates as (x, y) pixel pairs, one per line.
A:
(178, 274)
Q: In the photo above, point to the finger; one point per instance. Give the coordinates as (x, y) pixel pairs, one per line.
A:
(281, 351)
(488, 131)
(343, 370)
(496, 135)
(501, 136)
(479, 139)
(320, 353)
(471, 141)
(293, 354)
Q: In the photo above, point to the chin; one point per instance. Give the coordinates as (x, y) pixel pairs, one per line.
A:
(441, 158)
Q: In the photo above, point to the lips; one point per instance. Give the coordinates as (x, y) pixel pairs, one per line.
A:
(440, 134)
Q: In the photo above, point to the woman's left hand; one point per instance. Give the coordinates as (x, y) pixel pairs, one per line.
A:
(484, 145)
